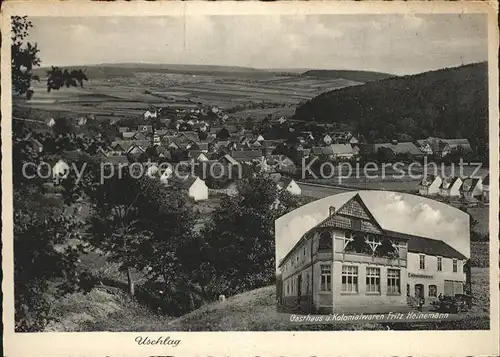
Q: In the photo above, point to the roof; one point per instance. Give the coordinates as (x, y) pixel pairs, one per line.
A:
(430, 246)
(190, 135)
(246, 154)
(427, 181)
(128, 134)
(195, 153)
(230, 159)
(115, 160)
(448, 182)
(342, 149)
(322, 150)
(333, 149)
(469, 184)
(203, 145)
(400, 147)
(286, 181)
(182, 183)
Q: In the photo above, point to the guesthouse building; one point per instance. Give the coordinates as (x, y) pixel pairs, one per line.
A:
(349, 263)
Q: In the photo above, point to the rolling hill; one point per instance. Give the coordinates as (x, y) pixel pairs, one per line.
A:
(357, 76)
(109, 70)
(451, 102)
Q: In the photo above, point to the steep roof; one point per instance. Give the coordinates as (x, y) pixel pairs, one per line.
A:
(184, 183)
(469, 184)
(246, 155)
(400, 147)
(427, 181)
(340, 149)
(286, 181)
(447, 183)
(190, 135)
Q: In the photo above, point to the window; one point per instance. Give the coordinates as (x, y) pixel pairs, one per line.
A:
(325, 240)
(326, 277)
(355, 224)
(393, 281)
(432, 291)
(350, 278)
(297, 259)
(455, 265)
(422, 261)
(288, 287)
(304, 252)
(372, 280)
(440, 264)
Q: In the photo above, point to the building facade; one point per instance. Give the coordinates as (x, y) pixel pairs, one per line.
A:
(348, 262)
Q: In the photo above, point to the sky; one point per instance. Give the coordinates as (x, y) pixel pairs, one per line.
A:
(392, 43)
(394, 211)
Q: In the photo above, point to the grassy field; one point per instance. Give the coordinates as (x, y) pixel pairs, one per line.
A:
(110, 309)
(251, 311)
(121, 91)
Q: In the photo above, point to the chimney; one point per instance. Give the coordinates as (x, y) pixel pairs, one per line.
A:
(331, 211)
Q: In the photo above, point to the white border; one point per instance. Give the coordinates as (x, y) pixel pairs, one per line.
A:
(343, 343)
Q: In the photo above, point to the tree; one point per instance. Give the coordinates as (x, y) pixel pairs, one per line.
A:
(24, 58)
(44, 261)
(115, 224)
(170, 252)
(239, 240)
(223, 134)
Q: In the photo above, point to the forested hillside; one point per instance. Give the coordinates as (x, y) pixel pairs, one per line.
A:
(358, 76)
(451, 103)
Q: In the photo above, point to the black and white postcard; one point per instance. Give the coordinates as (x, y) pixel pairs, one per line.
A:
(295, 176)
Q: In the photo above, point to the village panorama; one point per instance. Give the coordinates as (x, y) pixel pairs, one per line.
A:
(194, 197)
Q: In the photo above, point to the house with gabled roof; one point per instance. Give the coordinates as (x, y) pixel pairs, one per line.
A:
(128, 135)
(486, 188)
(247, 156)
(430, 185)
(228, 160)
(348, 262)
(289, 185)
(450, 187)
(472, 188)
(192, 185)
(398, 147)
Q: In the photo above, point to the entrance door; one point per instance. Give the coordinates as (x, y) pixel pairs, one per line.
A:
(299, 286)
(407, 289)
(419, 291)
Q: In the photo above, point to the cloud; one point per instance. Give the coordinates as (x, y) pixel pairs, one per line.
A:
(394, 43)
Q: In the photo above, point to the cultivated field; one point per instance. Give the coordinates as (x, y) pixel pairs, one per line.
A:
(129, 95)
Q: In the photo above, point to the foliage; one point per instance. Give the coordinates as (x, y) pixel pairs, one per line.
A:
(24, 58)
(40, 232)
(451, 103)
(44, 260)
(239, 241)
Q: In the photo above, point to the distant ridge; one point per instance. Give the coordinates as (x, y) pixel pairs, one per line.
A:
(109, 70)
(357, 76)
